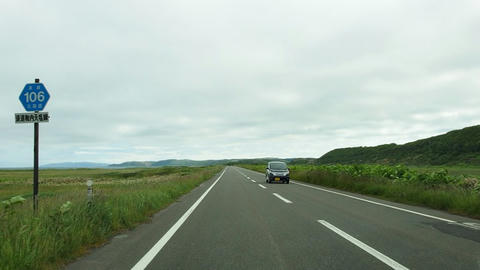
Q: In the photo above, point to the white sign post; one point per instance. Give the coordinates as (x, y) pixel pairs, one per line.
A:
(90, 190)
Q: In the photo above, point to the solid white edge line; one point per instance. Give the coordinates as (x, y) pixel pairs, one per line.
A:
(388, 261)
(281, 198)
(148, 257)
(262, 186)
(377, 203)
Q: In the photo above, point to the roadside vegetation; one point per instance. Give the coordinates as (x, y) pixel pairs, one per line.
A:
(67, 224)
(434, 187)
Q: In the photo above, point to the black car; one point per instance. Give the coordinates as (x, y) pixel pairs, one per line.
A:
(277, 171)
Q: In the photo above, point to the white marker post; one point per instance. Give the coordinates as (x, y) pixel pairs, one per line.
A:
(90, 190)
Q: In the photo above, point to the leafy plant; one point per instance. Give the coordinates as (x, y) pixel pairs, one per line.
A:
(7, 206)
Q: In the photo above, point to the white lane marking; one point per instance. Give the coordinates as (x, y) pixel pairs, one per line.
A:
(148, 257)
(262, 186)
(388, 261)
(473, 226)
(244, 175)
(281, 198)
(377, 203)
(247, 178)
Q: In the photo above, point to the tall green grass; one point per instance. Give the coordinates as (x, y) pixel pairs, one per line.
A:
(67, 224)
(434, 188)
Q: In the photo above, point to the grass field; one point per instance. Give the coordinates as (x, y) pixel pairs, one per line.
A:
(66, 224)
(452, 189)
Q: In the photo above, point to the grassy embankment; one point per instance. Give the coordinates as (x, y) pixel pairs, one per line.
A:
(66, 225)
(457, 191)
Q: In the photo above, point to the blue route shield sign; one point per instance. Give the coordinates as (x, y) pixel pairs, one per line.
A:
(34, 97)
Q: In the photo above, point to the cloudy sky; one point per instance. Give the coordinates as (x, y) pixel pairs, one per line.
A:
(152, 80)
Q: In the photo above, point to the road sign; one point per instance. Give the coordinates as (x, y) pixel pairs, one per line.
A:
(34, 97)
(36, 117)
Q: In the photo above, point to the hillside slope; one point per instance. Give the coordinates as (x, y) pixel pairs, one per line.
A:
(458, 147)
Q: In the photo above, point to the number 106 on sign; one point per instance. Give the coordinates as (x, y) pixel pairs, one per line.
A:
(34, 97)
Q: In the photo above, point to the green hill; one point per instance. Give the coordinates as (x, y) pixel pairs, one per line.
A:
(458, 147)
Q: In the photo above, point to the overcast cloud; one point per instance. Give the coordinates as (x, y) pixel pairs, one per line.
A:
(152, 80)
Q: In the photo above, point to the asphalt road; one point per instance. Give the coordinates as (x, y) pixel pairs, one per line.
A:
(237, 221)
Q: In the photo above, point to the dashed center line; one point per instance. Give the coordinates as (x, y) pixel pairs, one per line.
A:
(386, 260)
(262, 186)
(247, 177)
(281, 198)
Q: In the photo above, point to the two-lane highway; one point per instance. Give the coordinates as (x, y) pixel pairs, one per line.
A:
(237, 221)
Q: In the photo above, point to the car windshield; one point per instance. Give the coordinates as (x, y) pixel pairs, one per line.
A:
(278, 166)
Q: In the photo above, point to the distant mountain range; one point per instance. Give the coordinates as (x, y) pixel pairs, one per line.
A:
(169, 162)
(198, 163)
(458, 147)
(74, 165)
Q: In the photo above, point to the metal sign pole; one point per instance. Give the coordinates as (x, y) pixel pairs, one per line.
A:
(35, 164)
(35, 170)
